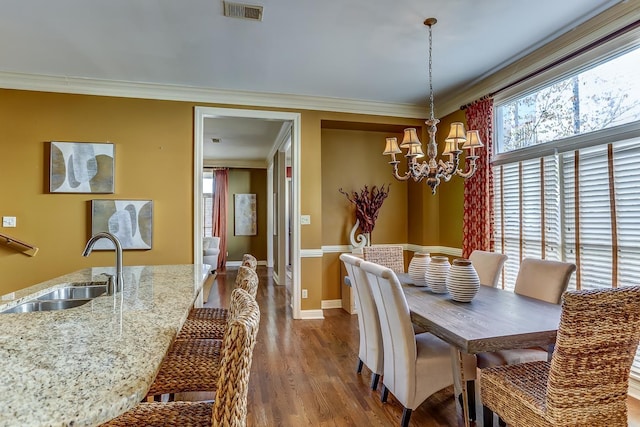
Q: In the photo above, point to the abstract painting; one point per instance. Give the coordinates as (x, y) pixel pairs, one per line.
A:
(245, 215)
(131, 221)
(81, 167)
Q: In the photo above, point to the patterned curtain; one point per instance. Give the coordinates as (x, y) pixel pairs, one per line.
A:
(220, 197)
(478, 190)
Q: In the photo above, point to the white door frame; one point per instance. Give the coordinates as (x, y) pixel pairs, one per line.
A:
(201, 113)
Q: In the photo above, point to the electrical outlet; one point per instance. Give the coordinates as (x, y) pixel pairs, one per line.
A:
(8, 221)
(305, 294)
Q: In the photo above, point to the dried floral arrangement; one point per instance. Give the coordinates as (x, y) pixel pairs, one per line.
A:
(368, 204)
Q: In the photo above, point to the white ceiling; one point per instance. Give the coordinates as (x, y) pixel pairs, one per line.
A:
(370, 50)
(240, 139)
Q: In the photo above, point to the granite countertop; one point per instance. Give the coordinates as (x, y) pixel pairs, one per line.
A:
(85, 365)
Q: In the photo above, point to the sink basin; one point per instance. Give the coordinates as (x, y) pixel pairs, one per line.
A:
(75, 292)
(69, 296)
(46, 305)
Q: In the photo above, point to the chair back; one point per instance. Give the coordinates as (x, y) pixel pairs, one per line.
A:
(240, 299)
(210, 242)
(247, 279)
(230, 405)
(595, 346)
(388, 256)
(398, 339)
(370, 334)
(543, 279)
(488, 265)
(243, 272)
(250, 261)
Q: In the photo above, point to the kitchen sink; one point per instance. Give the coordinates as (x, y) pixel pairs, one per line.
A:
(69, 296)
(46, 305)
(75, 292)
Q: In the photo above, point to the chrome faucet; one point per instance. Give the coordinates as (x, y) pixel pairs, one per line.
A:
(119, 278)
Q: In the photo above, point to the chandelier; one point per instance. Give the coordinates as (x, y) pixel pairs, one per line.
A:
(434, 170)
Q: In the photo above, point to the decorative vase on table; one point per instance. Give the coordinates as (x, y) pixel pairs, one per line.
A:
(437, 274)
(463, 282)
(418, 268)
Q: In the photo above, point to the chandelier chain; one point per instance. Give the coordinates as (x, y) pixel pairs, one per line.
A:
(432, 113)
(434, 170)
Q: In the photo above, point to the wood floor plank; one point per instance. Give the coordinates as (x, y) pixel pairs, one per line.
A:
(304, 371)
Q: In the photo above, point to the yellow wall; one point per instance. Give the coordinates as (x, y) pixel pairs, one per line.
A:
(352, 159)
(154, 160)
(247, 181)
(450, 193)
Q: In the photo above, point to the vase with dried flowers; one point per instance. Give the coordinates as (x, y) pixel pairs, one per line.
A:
(368, 203)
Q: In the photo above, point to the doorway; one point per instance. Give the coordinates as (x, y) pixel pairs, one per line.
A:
(276, 203)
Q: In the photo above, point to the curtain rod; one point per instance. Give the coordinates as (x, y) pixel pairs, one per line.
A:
(596, 43)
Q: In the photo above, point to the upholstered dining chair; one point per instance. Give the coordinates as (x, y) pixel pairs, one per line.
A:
(587, 379)
(194, 364)
(370, 350)
(415, 366)
(211, 251)
(250, 261)
(229, 408)
(211, 322)
(390, 256)
(541, 279)
(488, 265)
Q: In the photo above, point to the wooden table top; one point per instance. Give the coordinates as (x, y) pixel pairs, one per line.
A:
(494, 320)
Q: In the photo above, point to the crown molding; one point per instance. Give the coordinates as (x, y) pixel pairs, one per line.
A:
(89, 86)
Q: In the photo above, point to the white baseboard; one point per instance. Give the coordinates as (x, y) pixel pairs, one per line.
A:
(239, 263)
(274, 276)
(331, 303)
(311, 314)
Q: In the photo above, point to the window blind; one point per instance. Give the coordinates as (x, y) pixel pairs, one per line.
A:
(581, 207)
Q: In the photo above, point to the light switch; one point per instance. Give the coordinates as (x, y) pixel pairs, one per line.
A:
(8, 221)
(305, 219)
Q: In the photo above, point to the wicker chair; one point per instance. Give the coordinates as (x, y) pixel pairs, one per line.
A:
(387, 256)
(586, 382)
(415, 366)
(370, 350)
(194, 365)
(210, 322)
(229, 408)
(250, 261)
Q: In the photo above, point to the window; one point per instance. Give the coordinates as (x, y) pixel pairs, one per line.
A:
(208, 181)
(566, 175)
(601, 97)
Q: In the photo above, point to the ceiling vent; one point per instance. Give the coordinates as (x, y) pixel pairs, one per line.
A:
(244, 11)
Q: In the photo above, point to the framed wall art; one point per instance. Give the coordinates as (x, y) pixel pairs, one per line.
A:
(131, 221)
(245, 215)
(81, 167)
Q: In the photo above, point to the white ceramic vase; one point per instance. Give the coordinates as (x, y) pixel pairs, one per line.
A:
(418, 268)
(437, 274)
(462, 281)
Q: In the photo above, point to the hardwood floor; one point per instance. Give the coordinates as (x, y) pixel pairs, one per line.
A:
(304, 371)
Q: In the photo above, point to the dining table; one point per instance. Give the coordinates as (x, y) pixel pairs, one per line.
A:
(495, 319)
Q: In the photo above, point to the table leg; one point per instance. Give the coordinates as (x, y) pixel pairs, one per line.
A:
(458, 375)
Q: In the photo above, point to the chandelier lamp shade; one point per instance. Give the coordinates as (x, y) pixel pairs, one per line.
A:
(432, 169)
